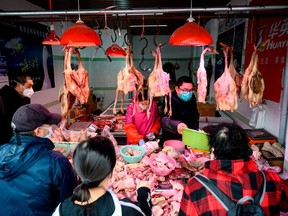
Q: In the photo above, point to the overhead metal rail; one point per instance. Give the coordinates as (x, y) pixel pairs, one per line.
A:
(241, 9)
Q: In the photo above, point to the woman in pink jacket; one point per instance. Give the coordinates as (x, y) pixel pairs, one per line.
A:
(140, 128)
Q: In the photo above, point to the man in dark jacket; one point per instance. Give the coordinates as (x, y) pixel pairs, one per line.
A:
(11, 98)
(184, 111)
(34, 179)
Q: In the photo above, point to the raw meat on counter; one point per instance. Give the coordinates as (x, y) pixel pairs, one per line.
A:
(166, 190)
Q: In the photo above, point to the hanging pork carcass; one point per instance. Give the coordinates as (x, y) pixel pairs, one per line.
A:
(225, 87)
(158, 83)
(202, 75)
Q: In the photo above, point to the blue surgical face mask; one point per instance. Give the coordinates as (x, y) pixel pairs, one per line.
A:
(185, 96)
(49, 132)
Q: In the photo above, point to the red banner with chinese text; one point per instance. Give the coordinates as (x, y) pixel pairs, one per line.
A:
(272, 61)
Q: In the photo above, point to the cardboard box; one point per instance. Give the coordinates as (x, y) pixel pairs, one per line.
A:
(206, 109)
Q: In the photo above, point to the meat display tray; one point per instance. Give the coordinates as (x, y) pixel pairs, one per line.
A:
(260, 134)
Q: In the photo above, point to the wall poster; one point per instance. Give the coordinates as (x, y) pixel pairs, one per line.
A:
(22, 53)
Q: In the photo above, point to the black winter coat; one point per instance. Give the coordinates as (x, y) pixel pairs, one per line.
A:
(185, 112)
(10, 101)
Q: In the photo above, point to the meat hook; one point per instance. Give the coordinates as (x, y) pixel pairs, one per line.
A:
(154, 39)
(126, 39)
(142, 53)
(115, 35)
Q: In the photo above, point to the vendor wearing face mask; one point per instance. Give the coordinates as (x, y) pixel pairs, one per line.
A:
(184, 111)
(140, 128)
(11, 98)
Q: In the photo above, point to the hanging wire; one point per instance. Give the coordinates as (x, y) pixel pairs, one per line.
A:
(143, 31)
(190, 19)
(79, 10)
(106, 28)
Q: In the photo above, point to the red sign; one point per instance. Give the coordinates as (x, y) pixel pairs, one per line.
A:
(271, 61)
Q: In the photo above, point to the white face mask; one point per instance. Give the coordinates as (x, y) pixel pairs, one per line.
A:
(28, 92)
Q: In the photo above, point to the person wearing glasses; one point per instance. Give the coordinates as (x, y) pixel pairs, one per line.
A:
(13, 96)
(184, 111)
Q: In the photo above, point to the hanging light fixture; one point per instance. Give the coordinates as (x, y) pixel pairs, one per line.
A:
(80, 35)
(52, 38)
(115, 50)
(190, 34)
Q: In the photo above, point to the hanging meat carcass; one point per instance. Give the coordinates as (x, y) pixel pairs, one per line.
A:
(77, 80)
(252, 87)
(75, 86)
(202, 75)
(256, 85)
(139, 75)
(158, 82)
(81, 77)
(128, 80)
(66, 100)
(234, 74)
(245, 83)
(225, 87)
(120, 88)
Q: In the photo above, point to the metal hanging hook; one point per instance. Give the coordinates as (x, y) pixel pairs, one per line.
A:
(115, 35)
(142, 53)
(154, 37)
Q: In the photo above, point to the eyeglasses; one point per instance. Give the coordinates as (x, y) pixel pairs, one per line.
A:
(186, 90)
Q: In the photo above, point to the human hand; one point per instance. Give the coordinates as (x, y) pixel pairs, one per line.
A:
(150, 136)
(141, 142)
(180, 127)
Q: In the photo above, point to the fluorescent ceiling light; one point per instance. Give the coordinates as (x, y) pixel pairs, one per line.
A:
(140, 26)
(139, 14)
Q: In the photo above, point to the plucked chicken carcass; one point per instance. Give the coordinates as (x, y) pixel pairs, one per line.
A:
(128, 80)
(235, 75)
(76, 81)
(252, 86)
(256, 85)
(202, 75)
(76, 84)
(158, 82)
(225, 88)
(245, 83)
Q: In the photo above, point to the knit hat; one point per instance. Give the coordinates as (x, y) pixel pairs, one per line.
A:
(30, 116)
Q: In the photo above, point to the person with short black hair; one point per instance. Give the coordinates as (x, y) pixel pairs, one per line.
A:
(34, 179)
(17, 94)
(184, 111)
(94, 160)
(236, 174)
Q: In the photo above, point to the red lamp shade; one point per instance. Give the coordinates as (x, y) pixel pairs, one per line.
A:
(80, 35)
(52, 38)
(115, 50)
(190, 34)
